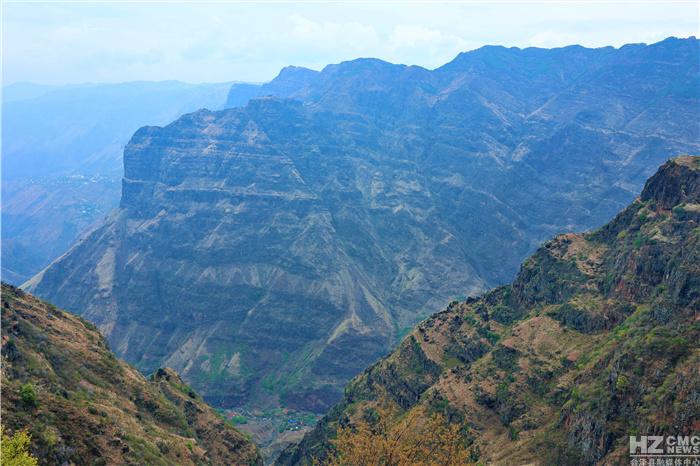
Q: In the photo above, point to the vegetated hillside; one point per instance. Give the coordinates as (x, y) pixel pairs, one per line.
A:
(84, 406)
(595, 340)
(62, 158)
(270, 252)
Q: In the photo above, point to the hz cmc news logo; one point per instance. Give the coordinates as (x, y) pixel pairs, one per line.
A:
(672, 450)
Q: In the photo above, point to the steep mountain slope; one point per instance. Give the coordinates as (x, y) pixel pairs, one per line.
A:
(84, 406)
(595, 340)
(270, 252)
(62, 158)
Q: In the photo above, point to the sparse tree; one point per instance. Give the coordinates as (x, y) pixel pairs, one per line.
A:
(413, 439)
(14, 450)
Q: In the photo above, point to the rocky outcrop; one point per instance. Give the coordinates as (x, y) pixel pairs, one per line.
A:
(81, 405)
(270, 252)
(598, 344)
(674, 184)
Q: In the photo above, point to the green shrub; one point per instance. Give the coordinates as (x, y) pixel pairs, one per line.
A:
(640, 240)
(163, 446)
(504, 314)
(27, 393)
(488, 334)
(622, 383)
(512, 433)
(505, 358)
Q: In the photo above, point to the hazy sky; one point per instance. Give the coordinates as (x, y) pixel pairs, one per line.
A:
(75, 42)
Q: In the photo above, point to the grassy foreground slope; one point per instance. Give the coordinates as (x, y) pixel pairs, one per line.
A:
(595, 340)
(82, 405)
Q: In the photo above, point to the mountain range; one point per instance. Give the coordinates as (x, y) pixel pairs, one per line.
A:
(269, 252)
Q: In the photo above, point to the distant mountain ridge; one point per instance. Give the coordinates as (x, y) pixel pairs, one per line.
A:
(62, 158)
(79, 128)
(595, 340)
(269, 252)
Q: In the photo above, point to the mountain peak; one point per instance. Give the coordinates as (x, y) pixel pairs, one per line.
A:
(291, 79)
(676, 182)
(363, 62)
(295, 71)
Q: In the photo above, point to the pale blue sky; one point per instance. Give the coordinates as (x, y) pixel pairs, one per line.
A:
(75, 42)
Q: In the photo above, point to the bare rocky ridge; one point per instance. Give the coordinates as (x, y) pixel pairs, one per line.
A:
(269, 253)
(595, 340)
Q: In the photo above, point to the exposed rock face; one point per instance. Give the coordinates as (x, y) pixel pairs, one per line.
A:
(596, 339)
(673, 186)
(84, 406)
(278, 248)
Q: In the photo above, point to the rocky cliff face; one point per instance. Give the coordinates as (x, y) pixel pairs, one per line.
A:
(595, 340)
(84, 406)
(269, 252)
